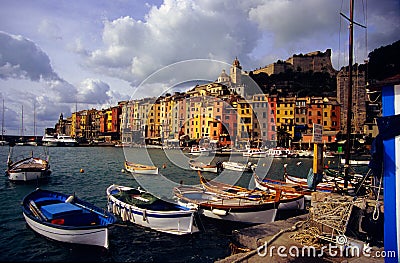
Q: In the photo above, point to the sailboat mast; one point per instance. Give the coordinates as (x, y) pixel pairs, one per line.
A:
(22, 121)
(349, 98)
(2, 123)
(34, 120)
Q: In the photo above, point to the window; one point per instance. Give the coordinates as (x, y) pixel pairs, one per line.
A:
(264, 114)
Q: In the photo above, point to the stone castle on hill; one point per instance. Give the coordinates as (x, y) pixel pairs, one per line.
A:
(316, 61)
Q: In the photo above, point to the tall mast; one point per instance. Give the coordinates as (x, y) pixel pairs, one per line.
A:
(349, 95)
(34, 120)
(2, 123)
(349, 98)
(22, 121)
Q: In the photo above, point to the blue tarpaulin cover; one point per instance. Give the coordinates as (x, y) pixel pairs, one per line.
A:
(59, 210)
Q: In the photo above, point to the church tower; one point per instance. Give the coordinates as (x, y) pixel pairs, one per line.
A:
(236, 72)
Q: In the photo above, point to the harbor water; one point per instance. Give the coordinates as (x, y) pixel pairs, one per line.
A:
(88, 171)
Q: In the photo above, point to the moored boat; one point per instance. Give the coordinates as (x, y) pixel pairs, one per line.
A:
(203, 167)
(268, 184)
(198, 150)
(66, 218)
(287, 200)
(49, 140)
(66, 140)
(236, 166)
(280, 152)
(28, 168)
(227, 208)
(142, 208)
(255, 153)
(140, 168)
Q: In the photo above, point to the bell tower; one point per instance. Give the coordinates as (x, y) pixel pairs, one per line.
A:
(236, 72)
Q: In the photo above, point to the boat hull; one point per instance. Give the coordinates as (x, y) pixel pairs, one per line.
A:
(140, 169)
(66, 218)
(179, 222)
(93, 236)
(27, 176)
(203, 167)
(235, 209)
(267, 184)
(28, 169)
(235, 166)
(256, 217)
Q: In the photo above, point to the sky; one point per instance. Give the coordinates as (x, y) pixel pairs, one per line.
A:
(67, 55)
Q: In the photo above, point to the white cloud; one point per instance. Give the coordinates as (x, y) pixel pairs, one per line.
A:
(21, 58)
(175, 31)
(93, 91)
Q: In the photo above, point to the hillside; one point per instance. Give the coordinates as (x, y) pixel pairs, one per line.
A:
(383, 62)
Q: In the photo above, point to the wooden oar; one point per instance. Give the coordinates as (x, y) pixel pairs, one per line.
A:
(36, 211)
(70, 200)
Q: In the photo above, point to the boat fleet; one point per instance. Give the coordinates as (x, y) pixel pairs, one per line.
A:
(67, 218)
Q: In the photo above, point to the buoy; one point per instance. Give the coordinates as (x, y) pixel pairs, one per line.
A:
(122, 170)
(164, 166)
(81, 170)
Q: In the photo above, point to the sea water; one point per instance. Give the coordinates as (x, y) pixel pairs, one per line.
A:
(88, 171)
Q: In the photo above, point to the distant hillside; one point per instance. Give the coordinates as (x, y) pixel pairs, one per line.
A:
(296, 83)
(383, 62)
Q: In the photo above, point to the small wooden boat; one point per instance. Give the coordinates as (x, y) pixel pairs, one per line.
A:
(203, 167)
(198, 150)
(144, 209)
(255, 153)
(228, 207)
(140, 168)
(236, 166)
(268, 185)
(28, 169)
(287, 200)
(66, 218)
(325, 186)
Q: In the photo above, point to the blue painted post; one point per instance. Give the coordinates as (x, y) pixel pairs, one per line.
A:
(391, 183)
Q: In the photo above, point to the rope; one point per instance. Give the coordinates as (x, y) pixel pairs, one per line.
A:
(375, 215)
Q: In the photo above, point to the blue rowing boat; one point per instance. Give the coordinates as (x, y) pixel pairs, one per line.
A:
(66, 218)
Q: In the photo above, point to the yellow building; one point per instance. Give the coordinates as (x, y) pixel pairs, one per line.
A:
(244, 121)
(285, 115)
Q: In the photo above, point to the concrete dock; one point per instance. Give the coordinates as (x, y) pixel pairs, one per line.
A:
(276, 242)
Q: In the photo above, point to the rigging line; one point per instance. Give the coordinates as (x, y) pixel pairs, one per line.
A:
(340, 28)
(366, 28)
